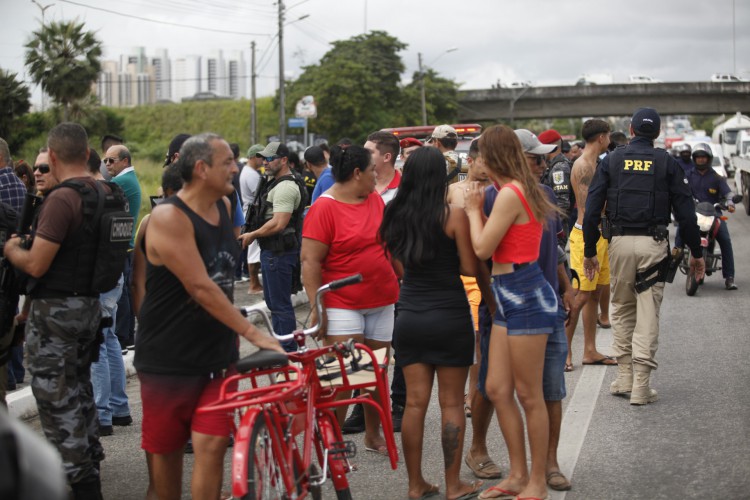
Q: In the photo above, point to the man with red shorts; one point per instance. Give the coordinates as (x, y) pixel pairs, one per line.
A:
(187, 342)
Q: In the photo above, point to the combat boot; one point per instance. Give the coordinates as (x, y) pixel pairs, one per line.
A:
(623, 384)
(642, 394)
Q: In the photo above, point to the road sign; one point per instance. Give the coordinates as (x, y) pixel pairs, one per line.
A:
(297, 122)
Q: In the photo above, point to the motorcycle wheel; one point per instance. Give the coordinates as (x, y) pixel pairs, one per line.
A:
(691, 285)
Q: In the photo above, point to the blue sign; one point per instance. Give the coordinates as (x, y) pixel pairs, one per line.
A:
(297, 122)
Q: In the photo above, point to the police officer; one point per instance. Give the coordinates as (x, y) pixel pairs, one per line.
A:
(684, 157)
(707, 185)
(557, 176)
(64, 315)
(641, 185)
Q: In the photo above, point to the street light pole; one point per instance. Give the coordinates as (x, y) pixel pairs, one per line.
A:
(253, 108)
(421, 89)
(282, 95)
(43, 9)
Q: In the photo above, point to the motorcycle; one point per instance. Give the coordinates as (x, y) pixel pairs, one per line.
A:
(708, 223)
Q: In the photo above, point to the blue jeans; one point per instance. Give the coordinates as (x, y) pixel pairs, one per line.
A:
(125, 326)
(108, 374)
(277, 291)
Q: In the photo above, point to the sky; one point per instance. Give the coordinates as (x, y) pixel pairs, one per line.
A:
(544, 42)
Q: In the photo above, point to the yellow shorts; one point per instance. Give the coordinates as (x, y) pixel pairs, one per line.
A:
(474, 296)
(576, 260)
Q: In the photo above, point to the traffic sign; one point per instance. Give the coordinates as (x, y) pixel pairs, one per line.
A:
(297, 122)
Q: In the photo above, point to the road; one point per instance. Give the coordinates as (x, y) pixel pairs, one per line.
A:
(693, 443)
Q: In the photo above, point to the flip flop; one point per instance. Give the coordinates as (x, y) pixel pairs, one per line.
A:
(473, 493)
(603, 325)
(380, 450)
(569, 367)
(603, 361)
(433, 491)
(504, 494)
(557, 481)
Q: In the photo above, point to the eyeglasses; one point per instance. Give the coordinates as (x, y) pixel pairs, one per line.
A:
(42, 167)
(269, 159)
(107, 161)
(538, 159)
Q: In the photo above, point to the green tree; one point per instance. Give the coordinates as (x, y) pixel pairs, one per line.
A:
(441, 100)
(356, 86)
(64, 60)
(14, 103)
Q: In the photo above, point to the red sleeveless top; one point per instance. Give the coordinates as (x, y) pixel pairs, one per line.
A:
(521, 243)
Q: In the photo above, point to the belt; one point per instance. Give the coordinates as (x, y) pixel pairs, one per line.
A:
(516, 267)
(217, 374)
(631, 231)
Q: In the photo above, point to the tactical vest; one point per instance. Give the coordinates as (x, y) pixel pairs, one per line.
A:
(290, 237)
(638, 193)
(92, 259)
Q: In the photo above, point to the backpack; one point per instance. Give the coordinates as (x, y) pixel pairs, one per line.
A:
(105, 216)
(255, 215)
(8, 283)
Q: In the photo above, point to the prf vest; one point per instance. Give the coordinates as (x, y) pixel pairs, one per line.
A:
(638, 192)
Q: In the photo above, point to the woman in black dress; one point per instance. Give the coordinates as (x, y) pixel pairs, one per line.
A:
(433, 333)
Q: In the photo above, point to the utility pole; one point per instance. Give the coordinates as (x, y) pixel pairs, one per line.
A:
(421, 85)
(282, 96)
(253, 108)
(43, 9)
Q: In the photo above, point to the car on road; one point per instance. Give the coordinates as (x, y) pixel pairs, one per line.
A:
(726, 78)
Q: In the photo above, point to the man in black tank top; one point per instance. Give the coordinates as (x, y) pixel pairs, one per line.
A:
(188, 326)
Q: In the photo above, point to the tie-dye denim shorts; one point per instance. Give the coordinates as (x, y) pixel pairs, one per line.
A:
(526, 302)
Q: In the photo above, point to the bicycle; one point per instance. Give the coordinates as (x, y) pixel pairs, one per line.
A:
(297, 407)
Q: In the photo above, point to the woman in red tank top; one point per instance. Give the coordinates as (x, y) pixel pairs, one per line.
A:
(526, 306)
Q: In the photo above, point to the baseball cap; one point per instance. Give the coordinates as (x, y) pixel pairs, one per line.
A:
(646, 121)
(254, 150)
(274, 149)
(550, 136)
(314, 155)
(531, 144)
(444, 131)
(174, 146)
(408, 142)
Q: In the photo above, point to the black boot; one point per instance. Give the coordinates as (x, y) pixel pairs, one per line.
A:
(356, 421)
(88, 490)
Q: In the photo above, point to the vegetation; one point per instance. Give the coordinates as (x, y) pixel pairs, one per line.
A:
(14, 104)
(64, 60)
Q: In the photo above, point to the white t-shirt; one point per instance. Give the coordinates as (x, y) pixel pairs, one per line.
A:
(249, 180)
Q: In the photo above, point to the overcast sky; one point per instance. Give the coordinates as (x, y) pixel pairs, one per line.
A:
(545, 42)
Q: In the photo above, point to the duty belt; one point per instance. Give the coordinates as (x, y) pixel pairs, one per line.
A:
(631, 231)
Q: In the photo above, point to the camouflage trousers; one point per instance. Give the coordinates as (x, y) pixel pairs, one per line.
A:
(59, 336)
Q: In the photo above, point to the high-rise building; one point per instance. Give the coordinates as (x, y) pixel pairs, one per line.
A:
(186, 77)
(213, 74)
(237, 80)
(107, 85)
(162, 75)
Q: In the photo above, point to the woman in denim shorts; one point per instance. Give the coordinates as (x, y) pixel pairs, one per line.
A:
(526, 306)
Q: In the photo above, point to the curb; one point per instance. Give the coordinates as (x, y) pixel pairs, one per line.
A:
(21, 403)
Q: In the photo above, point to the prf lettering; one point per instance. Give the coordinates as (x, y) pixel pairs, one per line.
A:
(638, 165)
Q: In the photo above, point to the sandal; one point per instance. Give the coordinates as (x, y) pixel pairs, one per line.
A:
(557, 481)
(483, 470)
(498, 493)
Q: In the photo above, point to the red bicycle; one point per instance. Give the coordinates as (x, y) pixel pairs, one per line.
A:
(281, 423)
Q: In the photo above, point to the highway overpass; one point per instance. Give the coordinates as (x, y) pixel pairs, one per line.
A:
(690, 98)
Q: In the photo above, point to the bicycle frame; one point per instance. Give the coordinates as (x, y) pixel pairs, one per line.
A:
(298, 403)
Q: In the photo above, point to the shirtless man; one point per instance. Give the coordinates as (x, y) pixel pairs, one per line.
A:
(596, 134)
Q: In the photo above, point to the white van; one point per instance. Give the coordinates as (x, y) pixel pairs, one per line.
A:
(725, 78)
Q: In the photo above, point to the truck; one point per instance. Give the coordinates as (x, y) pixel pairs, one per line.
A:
(741, 164)
(726, 133)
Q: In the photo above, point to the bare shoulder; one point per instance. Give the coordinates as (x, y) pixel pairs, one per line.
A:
(455, 193)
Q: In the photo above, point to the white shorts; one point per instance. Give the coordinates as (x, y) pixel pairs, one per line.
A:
(253, 253)
(376, 323)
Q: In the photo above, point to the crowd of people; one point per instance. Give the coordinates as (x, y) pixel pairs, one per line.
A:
(467, 281)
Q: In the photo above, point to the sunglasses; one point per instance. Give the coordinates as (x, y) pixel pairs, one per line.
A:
(43, 168)
(107, 161)
(269, 159)
(538, 159)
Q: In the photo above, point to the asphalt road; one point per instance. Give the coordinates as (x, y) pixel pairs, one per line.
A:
(693, 443)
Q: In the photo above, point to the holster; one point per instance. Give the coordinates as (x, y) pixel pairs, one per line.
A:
(658, 273)
(606, 229)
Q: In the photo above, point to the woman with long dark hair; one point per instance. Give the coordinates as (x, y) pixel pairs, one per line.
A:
(526, 306)
(433, 334)
(340, 238)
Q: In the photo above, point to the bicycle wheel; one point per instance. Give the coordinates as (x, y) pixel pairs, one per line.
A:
(264, 476)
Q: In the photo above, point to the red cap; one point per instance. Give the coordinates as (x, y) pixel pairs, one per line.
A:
(408, 142)
(550, 136)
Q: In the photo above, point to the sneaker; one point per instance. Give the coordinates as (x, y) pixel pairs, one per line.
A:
(356, 421)
(397, 414)
(122, 421)
(106, 430)
(124, 351)
(729, 284)
(189, 447)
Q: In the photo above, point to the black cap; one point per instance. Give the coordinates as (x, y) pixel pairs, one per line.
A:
(314, 155)
(174, 146)
(646, 121)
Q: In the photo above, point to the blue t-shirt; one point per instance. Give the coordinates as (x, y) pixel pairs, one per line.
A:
(548, 247)
(324, 182)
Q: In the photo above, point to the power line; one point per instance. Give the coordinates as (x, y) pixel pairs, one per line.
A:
(179, 25)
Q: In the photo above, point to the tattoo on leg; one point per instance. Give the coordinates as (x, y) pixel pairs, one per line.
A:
(450, 443)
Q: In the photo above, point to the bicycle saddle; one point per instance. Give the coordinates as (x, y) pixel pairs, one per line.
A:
(264, 358)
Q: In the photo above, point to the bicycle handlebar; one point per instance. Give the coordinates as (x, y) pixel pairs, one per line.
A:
(333, 285)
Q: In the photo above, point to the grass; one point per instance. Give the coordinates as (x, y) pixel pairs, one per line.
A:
(149, 177)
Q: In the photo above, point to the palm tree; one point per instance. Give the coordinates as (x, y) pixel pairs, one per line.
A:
(14, 103)
(64, 60)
